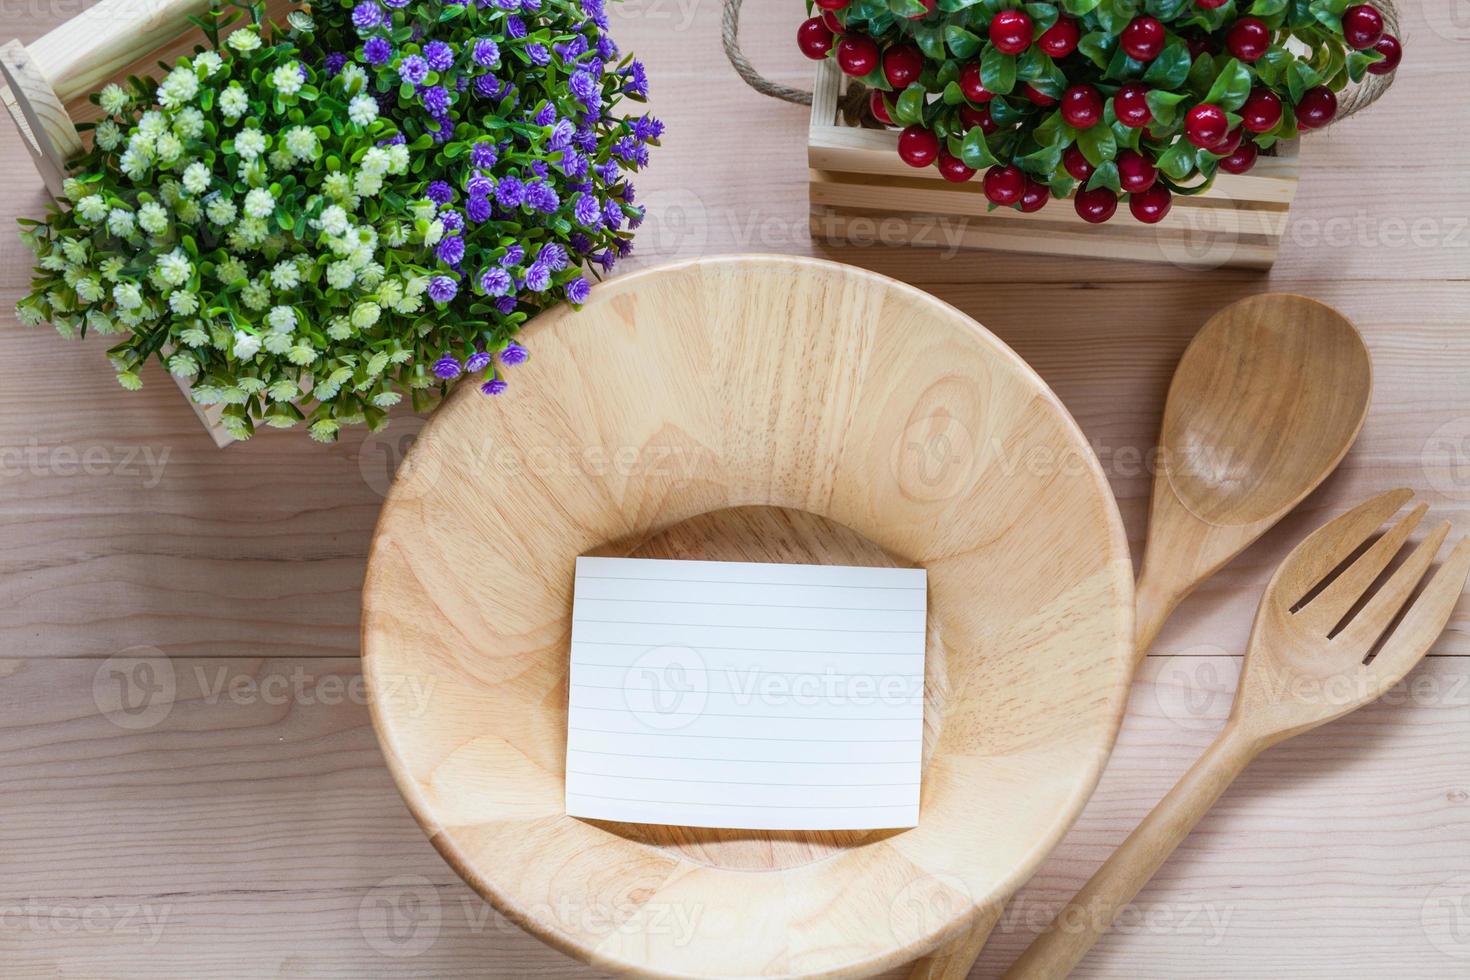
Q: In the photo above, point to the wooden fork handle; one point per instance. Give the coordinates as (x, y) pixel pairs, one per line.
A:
(1083, 920)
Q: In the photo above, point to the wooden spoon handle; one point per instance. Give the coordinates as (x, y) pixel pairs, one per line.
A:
(953, 960)
(1083, 920)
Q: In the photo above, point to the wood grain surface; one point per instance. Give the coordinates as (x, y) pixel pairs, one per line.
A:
(260, 813)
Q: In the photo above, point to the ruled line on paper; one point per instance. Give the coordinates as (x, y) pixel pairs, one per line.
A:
(668, 723)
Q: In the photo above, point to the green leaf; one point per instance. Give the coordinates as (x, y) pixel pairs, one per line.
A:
(930, 40)
(1078, 8)
(1043, 162)
(1231, 87)
(907, 8)
(1168, 10)
(1178, 160)
(1004, 113)
(952, 94)
(963, 43)
(1164, 105)
(975, 151)
(997, 71)
(1268, 8)
(1106, 176)
(1300, 77)
(1171, 67)
(909, 108)
(1097, 144)
(1114, 15)
(1044, 15)
(1098, 46)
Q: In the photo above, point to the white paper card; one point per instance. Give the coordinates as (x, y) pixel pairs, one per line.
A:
(746, 695)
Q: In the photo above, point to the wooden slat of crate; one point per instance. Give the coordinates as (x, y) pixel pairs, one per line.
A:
(856, 176)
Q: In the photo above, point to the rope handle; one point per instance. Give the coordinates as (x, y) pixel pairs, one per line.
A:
(1356, 99)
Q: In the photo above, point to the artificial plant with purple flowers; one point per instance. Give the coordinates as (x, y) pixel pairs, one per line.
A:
(515, 110)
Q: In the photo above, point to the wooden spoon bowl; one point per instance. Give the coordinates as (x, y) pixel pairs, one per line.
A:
(885, 427)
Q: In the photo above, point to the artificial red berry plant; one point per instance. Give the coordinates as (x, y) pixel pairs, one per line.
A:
(1144, 98)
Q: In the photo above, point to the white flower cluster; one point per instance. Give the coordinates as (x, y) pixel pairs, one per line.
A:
(246, 284)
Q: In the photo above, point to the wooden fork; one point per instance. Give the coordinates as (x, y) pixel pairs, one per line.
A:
(1311, 659)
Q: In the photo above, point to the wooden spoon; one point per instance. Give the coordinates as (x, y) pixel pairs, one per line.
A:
(1311, 659)
(1265, 402)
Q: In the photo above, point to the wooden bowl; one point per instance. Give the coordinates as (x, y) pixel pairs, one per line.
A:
(755, 408)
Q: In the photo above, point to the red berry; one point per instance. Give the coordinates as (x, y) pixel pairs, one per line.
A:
(1230, 143)
(832, 4)
(1150, 206)
(1143, 38)
(814, 39)
(1130, 105)
(1392, 52)
(902, 65)
(857, 55)
(1316, 109)
(833, 24)
(1205, 126)
(1036, 95)
(1135, 171)
(879, 108)
(1248, 38)
(1004, 185)
(953, 169)
(1076, 163)
(1097, 205)
(971, 117)
(1010, 31)
(1241, 160)
(1210, 4)
(928, 9)
(1082, 106)
(917, 146)
(1034, 197)
(1362, 26)
(972, 87)
(1261, 112)
(1060, 39)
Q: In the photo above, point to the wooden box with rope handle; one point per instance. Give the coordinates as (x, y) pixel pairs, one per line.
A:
(862, 192)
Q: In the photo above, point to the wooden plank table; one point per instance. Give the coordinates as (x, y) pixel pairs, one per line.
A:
(244, 826)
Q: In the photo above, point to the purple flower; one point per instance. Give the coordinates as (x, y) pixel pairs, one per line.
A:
(451, 220)
(493, 387)
(515, 28)
(636, 219)
(573, 164)
(513, 354)
(593, 8)
(609, 172)
(495, 282)
(486, 53)
(367, 15)
(446, 367)
(612, 215)
(441, 129)
(607, 48)
(637, 81)
(538, 54)
(577, 290)
(477, 209)
(333, 63)
(510, 192)
(545, 116)
(435, 99)
(442, 289)
(477, 362)
(479, 186)
(450, 249)
(506, 305)
(440, 192)
(377, 51)
(584, 86)
(541, 197)
(580, 243)
(413, 69)
(508, 4)
(553, 256)
(561, 135)
(647, 128)
(483, 155)
(439, 55)
(396, 4)
(513, 256)
(530, 6)
(586, 139)
(587, 212)
(487, 87)
(538, 277)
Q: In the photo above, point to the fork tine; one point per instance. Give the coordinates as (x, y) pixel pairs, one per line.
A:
(1425, 619)
(1328, 608)
(1373, 620)
(1327, 547)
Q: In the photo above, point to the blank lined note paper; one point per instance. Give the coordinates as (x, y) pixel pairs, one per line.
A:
(746, 695)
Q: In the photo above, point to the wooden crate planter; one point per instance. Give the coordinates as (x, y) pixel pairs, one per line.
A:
(47, 84)
(861, 191)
